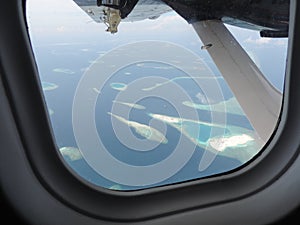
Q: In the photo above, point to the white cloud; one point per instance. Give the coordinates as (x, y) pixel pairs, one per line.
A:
(282, 42)
(258, 41)
(267, 41)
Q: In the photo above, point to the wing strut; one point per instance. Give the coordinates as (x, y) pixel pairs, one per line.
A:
(260, 101)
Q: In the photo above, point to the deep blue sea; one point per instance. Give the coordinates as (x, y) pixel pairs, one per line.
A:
(60, 101)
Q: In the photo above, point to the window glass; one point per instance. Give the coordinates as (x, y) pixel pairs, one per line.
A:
(145, 93)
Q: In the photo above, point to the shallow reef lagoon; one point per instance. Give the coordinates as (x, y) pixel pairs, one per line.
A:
(71, 153)
(231, 105)
(131, 105)
(230, 141)
(118, 86)
(63, 70)
(47, 86)
(144, 130)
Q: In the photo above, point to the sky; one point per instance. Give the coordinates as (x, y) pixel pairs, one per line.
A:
(59, 22)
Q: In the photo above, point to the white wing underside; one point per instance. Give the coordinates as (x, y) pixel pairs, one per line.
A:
(260, 101)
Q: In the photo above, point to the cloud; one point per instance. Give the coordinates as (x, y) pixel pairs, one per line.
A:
(266, 41)
(282, 42)
(258, 41)
(169, 22)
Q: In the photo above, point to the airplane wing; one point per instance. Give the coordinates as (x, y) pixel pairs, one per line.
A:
(260, 101)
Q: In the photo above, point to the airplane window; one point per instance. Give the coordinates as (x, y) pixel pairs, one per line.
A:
(145, 93)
